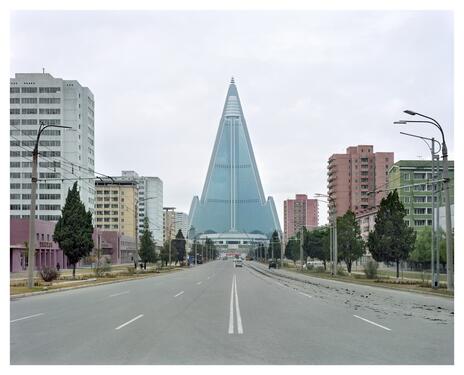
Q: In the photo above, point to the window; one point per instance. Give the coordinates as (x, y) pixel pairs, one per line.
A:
(49, 100)
(420, 176)
(15, 154)
(28, 100)
(406, 176)
(29, 111)
(407, 188)
(49, 111)
(49, 90)
(419, 223)
(29, 90)
(50, 121)
(14, 90)
(420, 199)
(29, 122)
(14, 121)
(14, 100)
(419, 211)
(14, 111)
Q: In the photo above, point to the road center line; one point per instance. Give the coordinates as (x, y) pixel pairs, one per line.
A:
(368, 321)
(129, 322)
(26, 317)
(179, 294)
(304, 294)
(118, 294)
(237, 309)
(231, 310)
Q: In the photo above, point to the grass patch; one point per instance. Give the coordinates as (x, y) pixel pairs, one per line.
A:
(81, 280)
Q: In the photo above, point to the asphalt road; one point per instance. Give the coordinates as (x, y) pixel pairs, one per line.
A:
(218, 314)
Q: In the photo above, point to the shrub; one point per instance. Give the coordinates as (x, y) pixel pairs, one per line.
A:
(49, 274)
(320, 269)
(309, 266)
(130, 270)
(370, 269)
(103, 268)
(341, 270)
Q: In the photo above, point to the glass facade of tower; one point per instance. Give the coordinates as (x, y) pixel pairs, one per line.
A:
(233, 199)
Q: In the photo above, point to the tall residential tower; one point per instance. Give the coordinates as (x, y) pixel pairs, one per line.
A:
(65, 155)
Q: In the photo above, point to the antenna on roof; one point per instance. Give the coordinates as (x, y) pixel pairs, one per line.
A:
(43, 70)
(232, 80)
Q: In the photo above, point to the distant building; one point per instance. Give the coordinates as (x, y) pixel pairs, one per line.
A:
(182, 221)
(66, 156)
(354, 176)
(149, 202)
(113, 246)
(413, 181)
(300, 212)
(116, 208)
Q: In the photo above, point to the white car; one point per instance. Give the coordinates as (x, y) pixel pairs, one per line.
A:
(238, 263)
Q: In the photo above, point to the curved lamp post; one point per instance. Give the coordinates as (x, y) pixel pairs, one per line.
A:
(444, 150)
(35, 156)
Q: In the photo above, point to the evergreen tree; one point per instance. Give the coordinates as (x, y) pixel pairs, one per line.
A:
(392, 240)
(178, 247)
(349, 240)
(164, 254)
(147, 251)
(73, 231)
(274, 246)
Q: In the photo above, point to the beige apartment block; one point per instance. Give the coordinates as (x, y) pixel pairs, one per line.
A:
(116, 206)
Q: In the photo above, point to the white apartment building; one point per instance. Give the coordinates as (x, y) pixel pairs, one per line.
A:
(65, 155)
(150, 202)
(182, 221)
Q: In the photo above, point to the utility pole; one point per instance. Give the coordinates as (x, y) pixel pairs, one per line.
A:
(301, 246)
(167, 209)
(32, 236)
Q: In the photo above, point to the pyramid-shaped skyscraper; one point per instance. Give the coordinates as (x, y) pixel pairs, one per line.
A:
(233, 199)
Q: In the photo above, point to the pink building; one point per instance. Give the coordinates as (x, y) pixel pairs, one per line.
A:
(47, 252)
(353, 179)
(114, 246)
(300, 212)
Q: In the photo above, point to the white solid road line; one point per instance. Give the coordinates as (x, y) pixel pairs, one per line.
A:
(237, 309)
(118, 294)
(304, 294)
(368, 321)
(129, 322)
(231, 310)
(26, 317)
(179, 294)
(199, 283)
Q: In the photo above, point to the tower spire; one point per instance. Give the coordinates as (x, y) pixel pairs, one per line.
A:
(232, 81)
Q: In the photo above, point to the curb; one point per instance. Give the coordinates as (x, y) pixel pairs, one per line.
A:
(30, 294)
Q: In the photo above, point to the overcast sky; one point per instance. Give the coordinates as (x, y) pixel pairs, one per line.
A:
(311, 84)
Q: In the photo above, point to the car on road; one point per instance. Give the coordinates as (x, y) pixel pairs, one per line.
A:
(272, 264)
(238, 263)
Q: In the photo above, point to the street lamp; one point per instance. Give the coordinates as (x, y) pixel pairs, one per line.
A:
(444, 150)
(435, 271)
(35, 156)
(333, 236)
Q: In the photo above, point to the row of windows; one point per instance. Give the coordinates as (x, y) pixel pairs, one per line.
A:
(34, 100)
(420, 199)
(32, 132)
(31, 90)
(31, 121)
(33, 111)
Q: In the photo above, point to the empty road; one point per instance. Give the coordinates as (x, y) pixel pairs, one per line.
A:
(217, 314)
